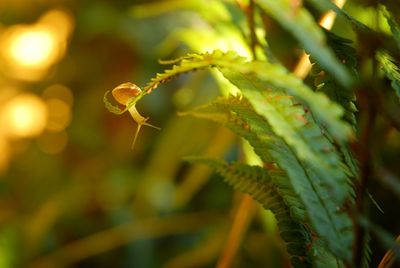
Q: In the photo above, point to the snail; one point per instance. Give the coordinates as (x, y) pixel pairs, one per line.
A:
(123, 94)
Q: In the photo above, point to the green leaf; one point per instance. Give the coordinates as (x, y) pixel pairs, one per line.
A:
(323, 258)
(344, 96)
(273, 76)
(326, 5)
(326, 83)
(391, 70)
(302, 25)
(394, 27)
(190, 63)
(256, 77)
(331, 224)
(296, 127)
(299, 145)
(258, 183)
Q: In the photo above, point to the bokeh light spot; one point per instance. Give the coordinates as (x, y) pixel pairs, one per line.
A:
(24, 116)
(59, 114)
(29, 51)
(32, 48)
(59, 91)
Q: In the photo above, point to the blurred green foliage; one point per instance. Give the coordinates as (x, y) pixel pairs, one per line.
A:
(100, 204)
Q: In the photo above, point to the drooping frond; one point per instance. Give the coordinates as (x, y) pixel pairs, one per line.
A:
(258, 183)
(314, 189)
(297, 129)
(229, 112)
(280, 114)
(289, 121)
(190, 62)
(300, 23)
(256, 78)
(239, 116)
(272, 76)
(391, 70)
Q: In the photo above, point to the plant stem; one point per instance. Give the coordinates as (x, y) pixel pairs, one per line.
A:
(389, 258)
(364, 157)
(241, 221)
(250, 21)
(303, 66)
(123, 234)
(367, 98)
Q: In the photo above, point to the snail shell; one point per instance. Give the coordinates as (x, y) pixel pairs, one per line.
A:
(125, 92)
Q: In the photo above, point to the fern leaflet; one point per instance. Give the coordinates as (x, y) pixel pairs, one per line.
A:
(296, 128)
(257, 182)
(341, 95)
(284, 111)
(272, 75)
(330, 223)
(391, 70)
(327, 84)
(394, 27)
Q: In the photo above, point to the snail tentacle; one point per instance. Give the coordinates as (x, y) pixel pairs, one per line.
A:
(123, 94)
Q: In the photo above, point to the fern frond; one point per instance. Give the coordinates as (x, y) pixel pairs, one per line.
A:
(299, 147)
(327, 84)
(258, 183)
(315, 190)
(344, 96)
(390, 69)
(367, 251)
(272, 76)
(190, 62)
(296, 128)
(300, 23)
(273, 103)
(323, 258)
(185, 64)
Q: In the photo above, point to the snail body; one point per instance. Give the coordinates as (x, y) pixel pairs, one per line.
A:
(123, 94)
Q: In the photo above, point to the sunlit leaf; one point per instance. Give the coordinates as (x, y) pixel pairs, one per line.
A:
(300, 23)
(391, 70)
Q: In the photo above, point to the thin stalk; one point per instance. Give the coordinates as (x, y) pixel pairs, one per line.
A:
(303, 66)
(240, 224)
(364, 157)
(368, 99)
(389, 258)
(248, 10)
(120, 235)
(250, 21)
